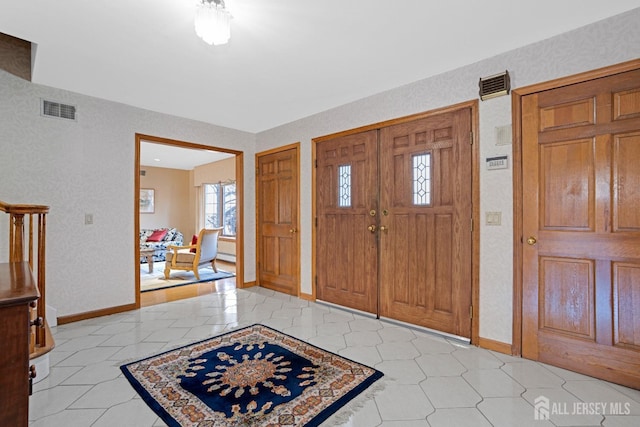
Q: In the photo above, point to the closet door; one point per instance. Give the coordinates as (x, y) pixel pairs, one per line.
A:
(581, 227)
(425, 227)
(346, 233)
(278, 242)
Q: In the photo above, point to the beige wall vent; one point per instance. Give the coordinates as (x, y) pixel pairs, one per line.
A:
(58, 110)
(496, 85)
(503, 135)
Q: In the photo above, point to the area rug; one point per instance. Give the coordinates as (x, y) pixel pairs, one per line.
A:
(255, 376)
(181, 278)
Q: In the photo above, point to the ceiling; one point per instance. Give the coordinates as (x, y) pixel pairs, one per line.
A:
(173, 157)
(287, 59)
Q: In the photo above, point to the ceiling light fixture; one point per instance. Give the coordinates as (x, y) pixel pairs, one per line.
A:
(213, 21)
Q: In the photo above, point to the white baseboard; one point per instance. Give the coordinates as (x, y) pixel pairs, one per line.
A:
(227, 257)
(51, 316)
(42, 367)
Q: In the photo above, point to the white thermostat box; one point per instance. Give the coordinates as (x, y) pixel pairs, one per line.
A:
(500, 162)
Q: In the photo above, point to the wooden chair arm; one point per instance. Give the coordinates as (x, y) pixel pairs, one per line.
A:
(177, 248)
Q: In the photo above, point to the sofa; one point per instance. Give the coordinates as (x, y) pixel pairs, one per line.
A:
(159, 239)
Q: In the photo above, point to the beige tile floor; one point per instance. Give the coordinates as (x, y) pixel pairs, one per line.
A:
(429, 380)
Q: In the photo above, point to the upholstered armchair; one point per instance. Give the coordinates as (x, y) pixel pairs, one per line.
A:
(191, 257)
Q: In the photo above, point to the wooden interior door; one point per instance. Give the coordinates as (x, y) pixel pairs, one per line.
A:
(581, 227)
(425, 238)
(346, 198)
(278, 238)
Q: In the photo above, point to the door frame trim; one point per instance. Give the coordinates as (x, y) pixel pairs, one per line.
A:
(296, 146)
(516, 111)
(475, 197)
(239, 157)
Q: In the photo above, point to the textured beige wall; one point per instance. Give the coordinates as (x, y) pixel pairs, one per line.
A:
(221, 171)
(211, 173)
(88, 166)
(172, 204)
(603, 43)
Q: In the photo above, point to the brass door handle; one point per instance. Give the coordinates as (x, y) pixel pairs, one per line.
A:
(293, 230)
(384, 228)
(372, 228)
(531, 240)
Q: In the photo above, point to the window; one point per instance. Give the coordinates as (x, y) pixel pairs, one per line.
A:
(220, 207)
(344, 186)
(422, 179)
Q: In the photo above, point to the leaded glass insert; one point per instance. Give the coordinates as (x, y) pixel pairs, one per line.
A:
(344, 186)
(422, 179)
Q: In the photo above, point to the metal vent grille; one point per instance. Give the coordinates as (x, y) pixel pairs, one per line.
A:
(143, 172)
(493, 86)
(56, 109)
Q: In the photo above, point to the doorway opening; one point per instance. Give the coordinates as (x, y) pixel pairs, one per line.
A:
(174, 184)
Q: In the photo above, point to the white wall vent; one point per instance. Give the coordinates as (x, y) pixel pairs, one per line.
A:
(503, 135)
(58, 110)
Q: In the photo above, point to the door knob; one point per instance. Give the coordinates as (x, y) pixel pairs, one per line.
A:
(384, 228)
(293, 230)
(372, 228)
(532, 240)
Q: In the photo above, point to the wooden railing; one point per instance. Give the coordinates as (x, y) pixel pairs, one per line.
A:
(31, 215)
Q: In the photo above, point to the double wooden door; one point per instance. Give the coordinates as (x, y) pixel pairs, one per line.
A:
(394, 221)
(581, 227)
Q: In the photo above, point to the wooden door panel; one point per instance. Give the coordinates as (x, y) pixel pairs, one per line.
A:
(347, 265)
(567, 309)
(278, 221)
(566, 115)
(626, 182)
(443, 256)
(626, 104)
(567, 188)
(626, 310)
(581, 148)
(425, 254)
(575, 356)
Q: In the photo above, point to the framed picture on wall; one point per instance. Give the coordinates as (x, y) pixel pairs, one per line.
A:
(147, 200)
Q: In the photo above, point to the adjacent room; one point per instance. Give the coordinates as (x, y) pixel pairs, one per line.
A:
(182, 192)
(219, 212)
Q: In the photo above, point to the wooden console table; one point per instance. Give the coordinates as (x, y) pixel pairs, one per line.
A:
(148, 254)
(18, 290)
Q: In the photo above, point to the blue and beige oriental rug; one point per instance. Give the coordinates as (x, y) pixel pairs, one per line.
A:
(255, 376)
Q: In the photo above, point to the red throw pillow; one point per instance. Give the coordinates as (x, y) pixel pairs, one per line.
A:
(157, 235)
(194, 241)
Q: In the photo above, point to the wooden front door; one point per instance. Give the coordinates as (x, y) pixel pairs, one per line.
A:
(394, 221)
(346, 238)
(425, 242)
(581, 227)
(278, 241)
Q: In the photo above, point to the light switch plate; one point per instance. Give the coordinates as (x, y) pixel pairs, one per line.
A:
(88, 219)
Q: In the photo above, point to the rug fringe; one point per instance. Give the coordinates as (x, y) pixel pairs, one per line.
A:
(342, 415)
(152, 354)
